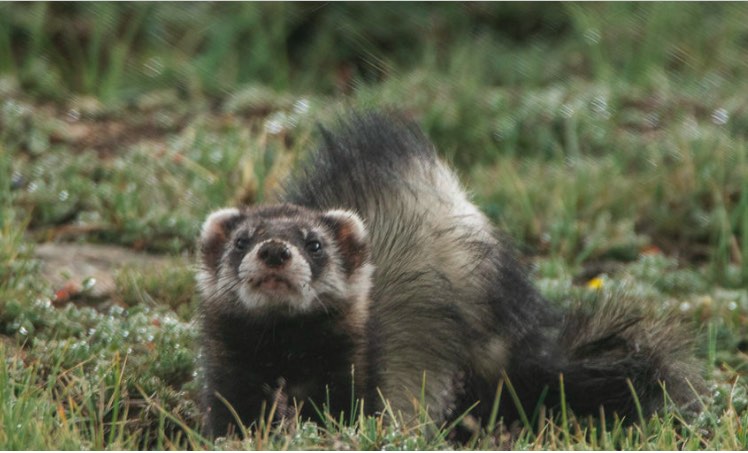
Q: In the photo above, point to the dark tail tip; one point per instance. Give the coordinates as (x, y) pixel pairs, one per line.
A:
(622, 356)
(615, 353)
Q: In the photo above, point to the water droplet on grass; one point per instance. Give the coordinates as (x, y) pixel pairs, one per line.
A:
(43, 303)
(74, 115)
(567, 111)
(274, 127)
(16, 179)
(88, 283)
(592, 36)
(153, 67)
(720, 116)
(301, 106)
(599, 104)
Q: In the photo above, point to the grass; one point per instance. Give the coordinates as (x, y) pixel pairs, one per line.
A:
(609, 140)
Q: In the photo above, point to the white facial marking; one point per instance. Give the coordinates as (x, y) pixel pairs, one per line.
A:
(291, 287)
(295, 273)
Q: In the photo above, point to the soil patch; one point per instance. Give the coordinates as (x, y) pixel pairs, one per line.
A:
(73, 269)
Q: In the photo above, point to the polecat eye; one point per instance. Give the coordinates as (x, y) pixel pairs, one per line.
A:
(241, 243)
(313, 246)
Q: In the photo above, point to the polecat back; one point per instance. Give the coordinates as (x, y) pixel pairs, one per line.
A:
(453, 313)
(284, 292)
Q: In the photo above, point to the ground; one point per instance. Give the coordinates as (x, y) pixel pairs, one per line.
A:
(609, 141)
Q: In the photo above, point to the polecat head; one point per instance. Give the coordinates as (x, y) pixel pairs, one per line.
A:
(284, 258)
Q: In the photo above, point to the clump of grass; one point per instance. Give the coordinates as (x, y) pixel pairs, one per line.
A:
(172, 286)
(48, 405)
(642, 43)
(72, 375)
(113, 51)
(89, 367)
(97, 197)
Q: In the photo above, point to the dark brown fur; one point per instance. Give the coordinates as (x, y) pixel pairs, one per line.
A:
(278, 354)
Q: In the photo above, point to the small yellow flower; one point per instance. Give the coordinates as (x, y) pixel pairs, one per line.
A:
(595, 283)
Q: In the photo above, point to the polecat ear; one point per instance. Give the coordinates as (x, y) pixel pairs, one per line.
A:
(214, 234)
(351, 236)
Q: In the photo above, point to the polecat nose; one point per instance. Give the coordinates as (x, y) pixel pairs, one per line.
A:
(274, 254)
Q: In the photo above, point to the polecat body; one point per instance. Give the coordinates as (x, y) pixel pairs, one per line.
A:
(284, 302)
(450, 301)
(450, 311)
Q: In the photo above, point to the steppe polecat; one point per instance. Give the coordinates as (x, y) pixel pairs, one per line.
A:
(448, 310)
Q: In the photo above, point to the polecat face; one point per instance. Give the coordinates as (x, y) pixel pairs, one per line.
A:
(284, 257)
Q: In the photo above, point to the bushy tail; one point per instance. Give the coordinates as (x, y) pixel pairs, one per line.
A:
(615, 354)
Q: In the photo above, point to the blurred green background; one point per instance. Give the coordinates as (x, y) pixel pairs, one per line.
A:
(641, 104)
